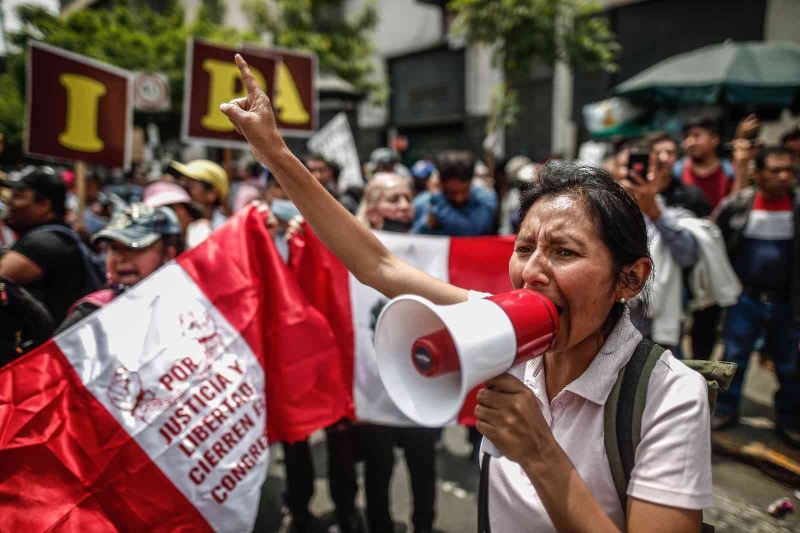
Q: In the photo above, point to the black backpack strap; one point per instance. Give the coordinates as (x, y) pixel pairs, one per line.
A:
(483, 496)
(623, 414)
(93, 280)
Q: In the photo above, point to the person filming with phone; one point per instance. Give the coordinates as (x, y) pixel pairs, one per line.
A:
(672, 246)
(684, 247)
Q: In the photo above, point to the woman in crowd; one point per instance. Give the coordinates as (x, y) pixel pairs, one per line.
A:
(583, 244)
(386, 205)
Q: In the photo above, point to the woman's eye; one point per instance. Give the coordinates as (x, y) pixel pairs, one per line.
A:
(522, 250)
(563, 252)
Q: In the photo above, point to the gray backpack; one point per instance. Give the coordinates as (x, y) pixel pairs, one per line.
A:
(625, 405)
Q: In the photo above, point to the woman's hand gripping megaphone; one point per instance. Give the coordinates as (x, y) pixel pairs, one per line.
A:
(509, 418)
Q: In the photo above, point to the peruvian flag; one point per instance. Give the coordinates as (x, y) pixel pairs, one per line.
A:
(352, 309)
(151, 414)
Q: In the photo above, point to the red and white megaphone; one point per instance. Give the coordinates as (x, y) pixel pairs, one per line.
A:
(430, 356)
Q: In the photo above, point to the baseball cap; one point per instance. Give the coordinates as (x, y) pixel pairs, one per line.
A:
(139, 226)
(205, 171)
(383, 156)
(423, 169)
(163, 193)
(42, 179)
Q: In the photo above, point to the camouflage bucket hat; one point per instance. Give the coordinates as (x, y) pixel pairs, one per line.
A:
(140, 225)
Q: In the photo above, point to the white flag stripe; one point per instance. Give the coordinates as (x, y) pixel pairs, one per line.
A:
(372, 403)
(770, 225)
(186, 386)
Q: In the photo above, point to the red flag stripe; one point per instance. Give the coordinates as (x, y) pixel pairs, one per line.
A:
(248, 283)
(67, 463)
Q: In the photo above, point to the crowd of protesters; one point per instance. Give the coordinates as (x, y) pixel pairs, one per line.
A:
(723, 234)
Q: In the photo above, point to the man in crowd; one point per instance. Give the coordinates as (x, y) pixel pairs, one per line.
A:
(702, 166)
(458, 209)
(320, 169)
(675, 193)
(207, 184)
(48, 259)
(140, 240)
(760, 226)
(672, 246)
(327, 173)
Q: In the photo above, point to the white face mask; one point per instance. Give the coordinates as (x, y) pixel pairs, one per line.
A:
(284, 210)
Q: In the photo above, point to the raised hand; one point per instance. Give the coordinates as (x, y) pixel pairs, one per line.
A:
(748, 127)
(253, 118)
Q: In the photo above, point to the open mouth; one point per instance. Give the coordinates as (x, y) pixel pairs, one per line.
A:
(127, 275)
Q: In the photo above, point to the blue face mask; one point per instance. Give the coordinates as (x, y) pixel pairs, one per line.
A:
(284, 210)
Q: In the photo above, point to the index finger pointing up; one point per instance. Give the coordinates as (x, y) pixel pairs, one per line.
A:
(250, 83)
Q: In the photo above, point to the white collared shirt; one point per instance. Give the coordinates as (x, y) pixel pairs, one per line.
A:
(672, 462)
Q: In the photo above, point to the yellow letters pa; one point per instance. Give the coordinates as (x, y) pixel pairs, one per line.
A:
(288, 104)
(223, 76)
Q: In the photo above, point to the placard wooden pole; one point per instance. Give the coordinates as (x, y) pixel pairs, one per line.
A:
(80, 191)
(227, 161)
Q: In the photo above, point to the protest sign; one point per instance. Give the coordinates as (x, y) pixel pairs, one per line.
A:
(77, 109)
(335, 142)
(212, 78)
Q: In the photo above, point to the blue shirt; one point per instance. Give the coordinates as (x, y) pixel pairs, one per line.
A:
(475, 217)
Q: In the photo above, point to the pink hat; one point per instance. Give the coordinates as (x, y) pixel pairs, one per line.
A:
(163, 193)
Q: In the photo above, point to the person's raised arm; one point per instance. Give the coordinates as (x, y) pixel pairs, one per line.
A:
(355, 245)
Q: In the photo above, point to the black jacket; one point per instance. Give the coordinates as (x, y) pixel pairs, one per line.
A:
(731, 217)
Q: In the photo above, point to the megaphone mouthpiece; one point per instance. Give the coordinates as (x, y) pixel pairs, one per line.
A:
(435, 354)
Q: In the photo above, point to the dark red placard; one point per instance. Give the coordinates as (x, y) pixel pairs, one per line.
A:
(208, 64)
(77, 109)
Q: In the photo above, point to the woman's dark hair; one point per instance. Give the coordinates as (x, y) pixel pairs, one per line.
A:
(616, 214)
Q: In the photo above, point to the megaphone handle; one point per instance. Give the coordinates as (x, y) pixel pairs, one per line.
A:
(488, 447)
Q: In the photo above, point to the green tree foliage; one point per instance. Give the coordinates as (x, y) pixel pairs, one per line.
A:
(546, 31)
(342, 44)
(524, 32)
(128, 34)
